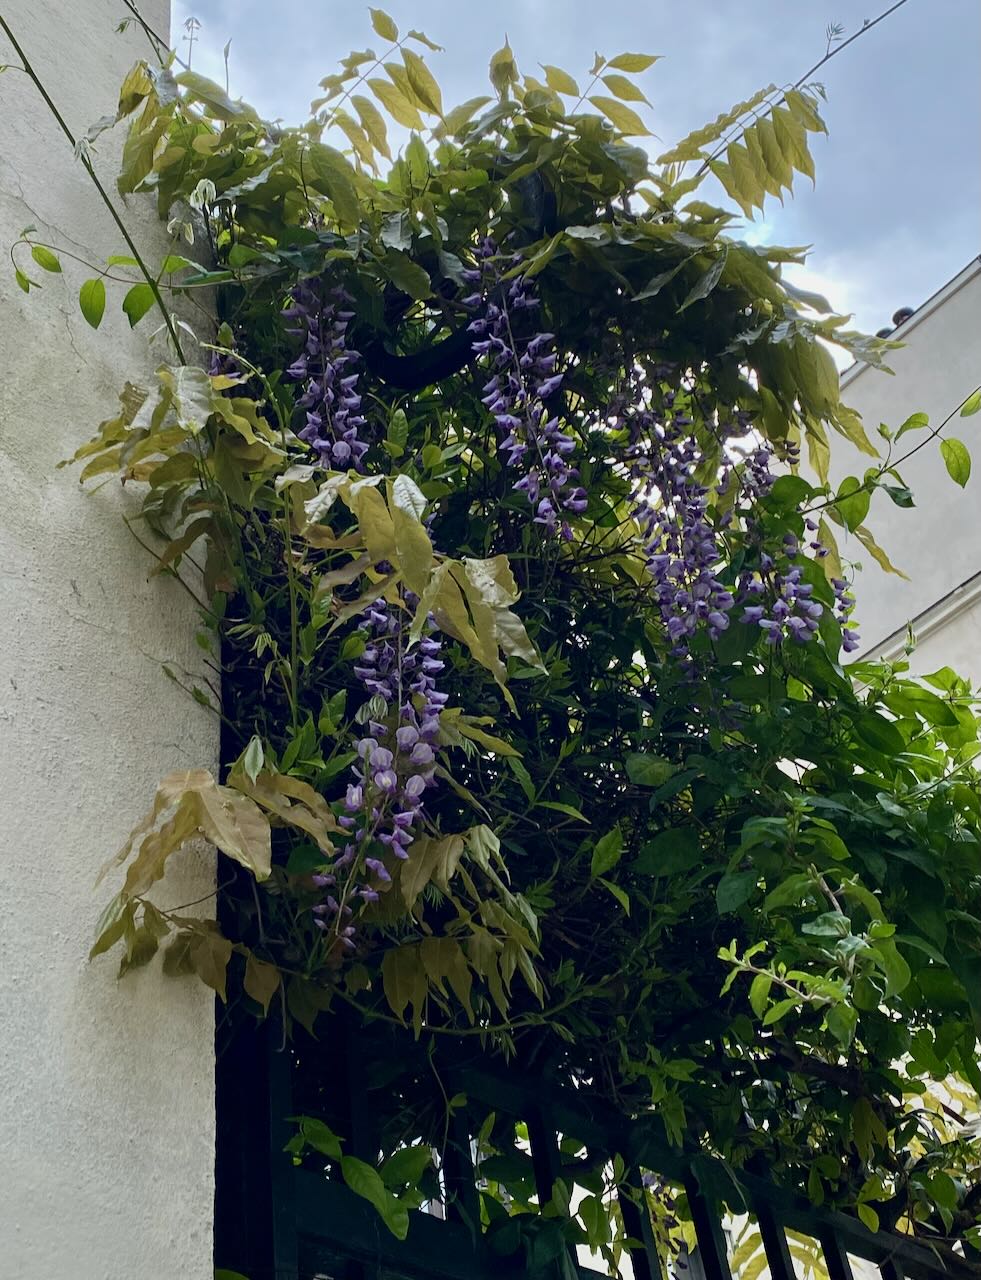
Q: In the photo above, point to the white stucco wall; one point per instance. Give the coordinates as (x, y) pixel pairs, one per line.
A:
(106, 1105)
(938, 543)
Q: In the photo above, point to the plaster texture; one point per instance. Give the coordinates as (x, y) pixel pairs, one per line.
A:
(937, 543)
(107, 1100)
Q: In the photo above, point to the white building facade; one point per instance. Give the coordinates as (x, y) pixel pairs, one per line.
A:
(107, 1106)
(937, 544)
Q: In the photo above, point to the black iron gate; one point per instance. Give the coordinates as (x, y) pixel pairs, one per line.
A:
(275, 1221)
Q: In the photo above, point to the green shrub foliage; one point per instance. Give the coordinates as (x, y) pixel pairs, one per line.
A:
(531, 628)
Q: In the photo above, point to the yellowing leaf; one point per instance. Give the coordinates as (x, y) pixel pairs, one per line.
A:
(136, 86)
(454, 120)
(414, 551)
(399, 107)
(373, 123)
(493, 579)
(503, 69)
(261, 981)
(404, 982)
(624, 89)
(209, 955)
(444, 961)
(560, 81)
(877, 553)
(624, 119)
(191, 394)
(383, 24)
(374, 521)
(188, 804)
(407, 495)
(423, 82)
(832, 561)
(488, 740)
(633, 62)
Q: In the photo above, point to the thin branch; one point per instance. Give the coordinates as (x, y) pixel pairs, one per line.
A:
(146, 272)
(802, 80)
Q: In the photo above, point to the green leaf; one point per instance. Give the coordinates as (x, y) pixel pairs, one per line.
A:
(708, 281)
(759, 993)
(253, 758)
(734, 889)
(842, 1022)
(972, 404)
(560, 81)
(137, 303)
(314, 1133)
(621, 895)
(606, 852)
(92, 301)
(22, 281)
(671, 852)
(779, 1010)
(647, 770)
(868, 1216)
(894, 968)
(383, 25)
(569, 810)
(624, 119)
(915, 422)
(633, 62)
(407, 274)
(45, 258)
(115, 920)
(405, 1167)
(957, 460)
(852, 502)
(366, 1181)
(398, 434)
(657, 283)
(216, 102)
(333, 175)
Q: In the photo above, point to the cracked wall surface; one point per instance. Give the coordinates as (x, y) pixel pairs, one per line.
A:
(107, 1104)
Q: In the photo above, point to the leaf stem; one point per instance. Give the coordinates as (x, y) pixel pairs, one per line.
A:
(148, 276)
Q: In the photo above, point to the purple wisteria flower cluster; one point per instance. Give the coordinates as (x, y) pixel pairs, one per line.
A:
(844, 606)
(334, 422)
(682, 546)
(523, 379)
(396, 758)
(782, 605)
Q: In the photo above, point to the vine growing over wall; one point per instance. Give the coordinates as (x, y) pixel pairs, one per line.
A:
(531, 627)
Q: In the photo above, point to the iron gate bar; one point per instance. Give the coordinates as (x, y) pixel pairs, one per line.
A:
(839, 1263)
(708, 1231)
(646, 1263)
(774, 1239)
(313, 1222)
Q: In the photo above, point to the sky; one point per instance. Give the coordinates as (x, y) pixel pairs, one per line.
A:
(895, 210)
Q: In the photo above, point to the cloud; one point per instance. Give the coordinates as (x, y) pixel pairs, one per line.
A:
(893, 215)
